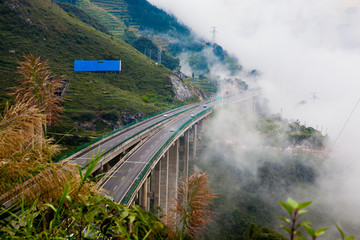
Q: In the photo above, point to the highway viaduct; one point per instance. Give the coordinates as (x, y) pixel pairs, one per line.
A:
(144, 163)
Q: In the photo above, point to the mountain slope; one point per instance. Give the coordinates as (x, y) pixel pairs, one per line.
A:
(95, 101)
(197, 56)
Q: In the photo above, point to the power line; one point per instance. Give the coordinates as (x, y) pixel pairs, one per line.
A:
(341, 131)
(349, 165)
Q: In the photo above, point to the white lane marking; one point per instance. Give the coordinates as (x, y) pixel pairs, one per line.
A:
(115, 187)
(129, 169)
(147, 150)
(141, 156)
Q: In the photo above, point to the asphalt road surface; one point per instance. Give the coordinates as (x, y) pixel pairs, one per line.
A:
(122, 179)
(104, 146)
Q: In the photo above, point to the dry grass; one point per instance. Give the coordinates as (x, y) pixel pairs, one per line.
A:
(23, 149)
(38, 86)
(190, 214)
(25, 152)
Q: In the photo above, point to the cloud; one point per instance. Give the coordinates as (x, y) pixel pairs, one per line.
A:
(301, 48)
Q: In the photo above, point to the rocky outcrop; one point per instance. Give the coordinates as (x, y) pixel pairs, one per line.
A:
(183, 91)
(131, 117)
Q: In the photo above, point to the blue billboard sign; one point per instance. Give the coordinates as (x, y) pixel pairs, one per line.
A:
(97, 65)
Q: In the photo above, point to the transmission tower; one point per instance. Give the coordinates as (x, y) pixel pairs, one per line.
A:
(213, 35)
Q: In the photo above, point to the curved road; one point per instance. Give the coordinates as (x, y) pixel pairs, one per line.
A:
(82, 159)
(123, 177)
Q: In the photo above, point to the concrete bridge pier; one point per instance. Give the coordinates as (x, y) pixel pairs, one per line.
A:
(144, 200)
(160, 188)
(104, 168)
(164, 180)
(248, 105)
(155, 186)
(186, 155)
(173, 173)
(164, 174)
(194, 146)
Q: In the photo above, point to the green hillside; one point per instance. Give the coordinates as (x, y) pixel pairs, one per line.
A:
(141, 15)
(164, 30)
(96, 102)
(122, 21)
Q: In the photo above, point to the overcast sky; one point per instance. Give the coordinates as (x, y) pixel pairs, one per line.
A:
(303, 48)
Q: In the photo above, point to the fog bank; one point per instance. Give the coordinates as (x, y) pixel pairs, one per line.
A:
(308, 53)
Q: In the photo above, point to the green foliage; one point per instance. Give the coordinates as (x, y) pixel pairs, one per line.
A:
(219, 52)
(292, 226)
(299, 134)
(146, 46)
(113, 25)
(294, 209)
(343, 237)
(207, 85)
(83, 16)
(170, 62)
(199, 64)
(149, 98)
(284, 175)
(282, 134)
(145, 15)
(266, 125)
(79, 217)
(95, 217)
(231, 63)
(255, 232)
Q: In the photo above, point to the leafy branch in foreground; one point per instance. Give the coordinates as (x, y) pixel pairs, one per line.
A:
(296, 210)
(343, 237)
